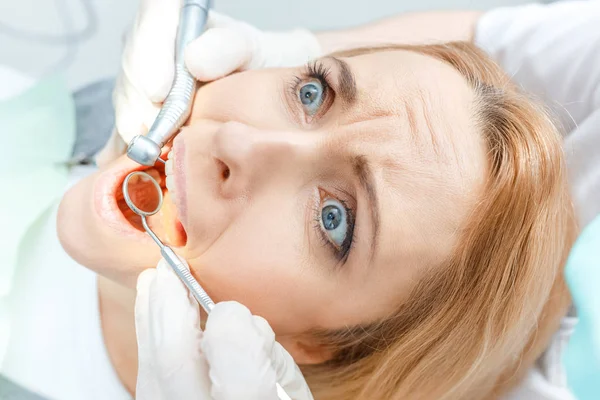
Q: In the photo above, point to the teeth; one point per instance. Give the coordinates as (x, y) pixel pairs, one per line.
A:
(171, 184)
(169, 167)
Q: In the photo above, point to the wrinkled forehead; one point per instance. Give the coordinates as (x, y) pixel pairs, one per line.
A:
(412, 106)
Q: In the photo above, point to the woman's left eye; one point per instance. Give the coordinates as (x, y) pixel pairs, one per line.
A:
(334, 221)
(311, 96)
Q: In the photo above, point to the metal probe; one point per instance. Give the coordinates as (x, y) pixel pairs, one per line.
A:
(176, 109)
(182, 272)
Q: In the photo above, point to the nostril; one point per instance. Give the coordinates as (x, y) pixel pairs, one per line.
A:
(223, 169)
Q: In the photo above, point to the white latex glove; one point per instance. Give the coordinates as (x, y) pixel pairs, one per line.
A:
(228, 45)
(236, 357)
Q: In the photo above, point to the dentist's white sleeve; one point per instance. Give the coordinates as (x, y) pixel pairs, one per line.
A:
(553, 52)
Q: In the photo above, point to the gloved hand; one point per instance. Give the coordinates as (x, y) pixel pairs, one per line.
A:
(236, 357)
(228, 45)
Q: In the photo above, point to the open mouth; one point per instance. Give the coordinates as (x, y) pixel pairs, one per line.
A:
(165, 223)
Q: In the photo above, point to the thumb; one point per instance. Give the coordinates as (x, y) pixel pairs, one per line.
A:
(217, 53)
(288, 374)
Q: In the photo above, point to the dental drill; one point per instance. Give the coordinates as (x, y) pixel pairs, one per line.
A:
(176, 109)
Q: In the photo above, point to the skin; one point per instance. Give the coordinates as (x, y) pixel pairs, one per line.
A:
(254, 235)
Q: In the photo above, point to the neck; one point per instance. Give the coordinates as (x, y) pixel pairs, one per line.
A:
(118, 328)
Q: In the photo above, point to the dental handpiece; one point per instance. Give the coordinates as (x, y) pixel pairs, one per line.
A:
(176, 109)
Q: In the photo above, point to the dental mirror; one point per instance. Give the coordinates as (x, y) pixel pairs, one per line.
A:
(143, 196)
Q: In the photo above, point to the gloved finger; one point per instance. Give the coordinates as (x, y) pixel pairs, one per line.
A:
(134, 113)
(239, 354)
(288, 373)
(149, 51)
(175, 320)
(113, 148)
(147, 384)
(218, 20)
(217, 53)
(142, 301)
(149, 113)
(174, 338)
(170, 301)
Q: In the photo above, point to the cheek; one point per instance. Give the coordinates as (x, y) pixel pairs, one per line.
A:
(260, 262)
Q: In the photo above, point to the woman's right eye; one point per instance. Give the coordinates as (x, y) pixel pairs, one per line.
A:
(334, 220)
(335, 225)
(311, 96)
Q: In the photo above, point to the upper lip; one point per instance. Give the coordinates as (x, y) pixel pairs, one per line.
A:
(178, 180)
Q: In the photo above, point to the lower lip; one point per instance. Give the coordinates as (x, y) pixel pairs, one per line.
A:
(180, 197)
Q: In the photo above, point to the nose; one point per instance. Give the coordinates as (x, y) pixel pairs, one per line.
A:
(247, 156)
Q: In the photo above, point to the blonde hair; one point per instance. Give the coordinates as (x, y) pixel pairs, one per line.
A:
(472, 327)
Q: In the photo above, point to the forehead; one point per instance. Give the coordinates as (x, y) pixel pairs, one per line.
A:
(420, 107)
(390, 81)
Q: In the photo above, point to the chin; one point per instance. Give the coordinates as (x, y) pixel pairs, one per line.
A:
(97, 229)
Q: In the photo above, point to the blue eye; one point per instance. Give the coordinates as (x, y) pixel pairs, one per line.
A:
(311, 96)
(334, 220)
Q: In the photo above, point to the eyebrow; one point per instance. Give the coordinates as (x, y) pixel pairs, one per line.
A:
(365, 176)
(346, 82)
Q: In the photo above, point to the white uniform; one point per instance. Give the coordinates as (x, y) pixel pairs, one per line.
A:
(553, 51)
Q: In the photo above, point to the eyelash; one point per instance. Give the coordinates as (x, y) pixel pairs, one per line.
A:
(313, 70)
(343, 251)
(318, 70)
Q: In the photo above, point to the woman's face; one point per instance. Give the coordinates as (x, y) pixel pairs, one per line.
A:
(315, 196)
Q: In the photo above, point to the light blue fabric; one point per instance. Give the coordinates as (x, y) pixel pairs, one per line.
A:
(582, 356)
(37, 129)
(11, 391)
